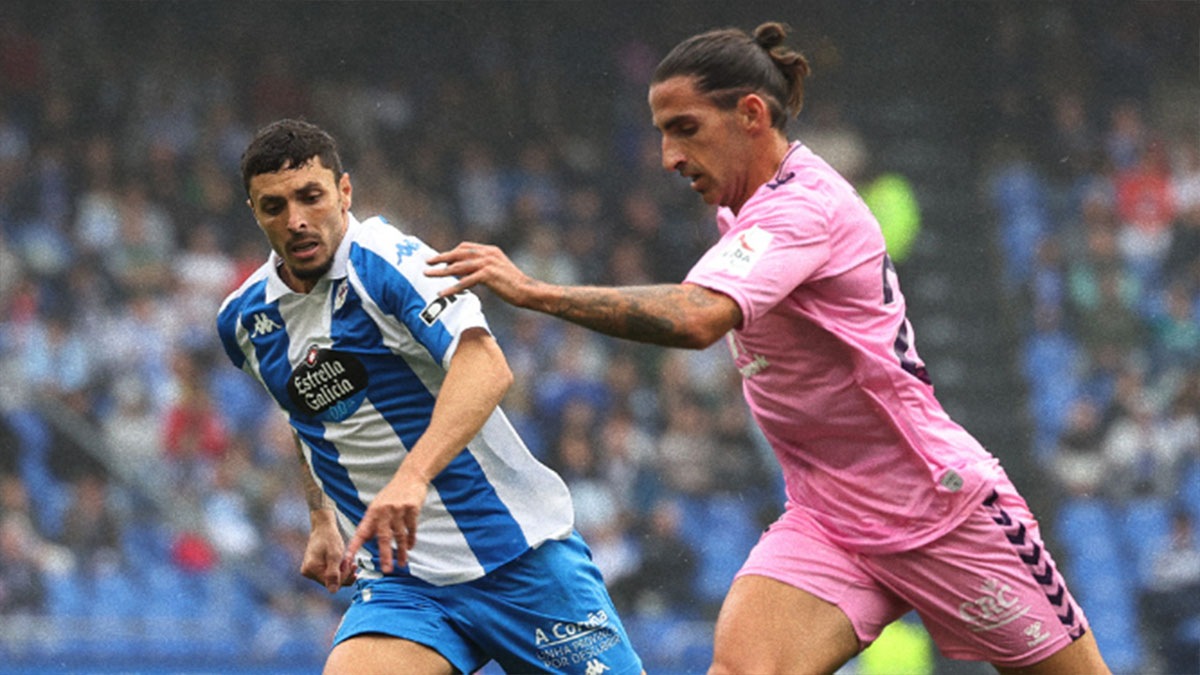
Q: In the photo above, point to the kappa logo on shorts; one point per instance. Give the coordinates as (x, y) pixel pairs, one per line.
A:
(997, 607)
(595, 667)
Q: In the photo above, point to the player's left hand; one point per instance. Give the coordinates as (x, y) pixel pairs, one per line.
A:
(392, 519)
(476, 264)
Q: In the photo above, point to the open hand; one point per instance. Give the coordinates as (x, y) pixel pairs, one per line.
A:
(476, 264)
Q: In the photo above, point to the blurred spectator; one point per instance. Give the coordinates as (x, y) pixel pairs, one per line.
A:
(22, 589)
(92, 527)
(1079, 462)
(1169, 607)
(194, 435)
(687, 451)
(666, 575)
(1146, 207)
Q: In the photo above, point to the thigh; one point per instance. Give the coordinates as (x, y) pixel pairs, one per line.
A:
(988, 590)
(823, 607)
(767, 626)
(401, 616)
(547, 611)
(374, 654)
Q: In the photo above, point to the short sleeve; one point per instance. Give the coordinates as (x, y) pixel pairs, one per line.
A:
(776, 244)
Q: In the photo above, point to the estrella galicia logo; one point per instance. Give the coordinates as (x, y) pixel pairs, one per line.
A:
(434, 309)
(328, 384)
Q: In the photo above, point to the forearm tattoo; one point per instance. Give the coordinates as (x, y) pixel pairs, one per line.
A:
(313, 494)
(654, 314)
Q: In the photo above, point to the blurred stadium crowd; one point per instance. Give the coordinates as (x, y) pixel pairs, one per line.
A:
(145, 483)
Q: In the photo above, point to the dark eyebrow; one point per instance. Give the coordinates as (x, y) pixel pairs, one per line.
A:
(309, 187)
(675, 121)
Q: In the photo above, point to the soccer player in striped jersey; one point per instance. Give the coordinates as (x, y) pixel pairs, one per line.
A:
(462, 544)
(891, 506)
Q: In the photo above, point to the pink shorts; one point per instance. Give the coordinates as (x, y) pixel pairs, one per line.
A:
(986, 591)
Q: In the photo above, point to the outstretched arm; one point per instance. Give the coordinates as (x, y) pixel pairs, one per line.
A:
(672, 315)
(477, 379)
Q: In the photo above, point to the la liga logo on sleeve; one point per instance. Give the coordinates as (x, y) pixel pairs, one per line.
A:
(744, 251)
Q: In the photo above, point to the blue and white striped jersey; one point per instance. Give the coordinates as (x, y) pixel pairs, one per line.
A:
(356, 364)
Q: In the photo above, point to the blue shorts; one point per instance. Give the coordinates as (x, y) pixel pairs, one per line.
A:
(546, 611)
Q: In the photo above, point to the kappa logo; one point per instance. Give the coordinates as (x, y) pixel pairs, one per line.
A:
(596, 667)
(263, 325)
(406, 248)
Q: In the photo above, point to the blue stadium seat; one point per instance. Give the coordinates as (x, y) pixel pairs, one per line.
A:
(1145, 521)
(1085, 526)
(66, 594)
(722, 530)
(1189, 490)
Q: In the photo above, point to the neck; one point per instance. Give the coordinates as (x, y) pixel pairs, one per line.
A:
(770, 159)
(292, 281)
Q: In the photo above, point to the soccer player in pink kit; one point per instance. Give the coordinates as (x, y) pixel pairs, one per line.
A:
(891, 505)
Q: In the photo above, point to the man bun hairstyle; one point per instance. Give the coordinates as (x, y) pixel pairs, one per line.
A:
(288, 144)
(728, 63)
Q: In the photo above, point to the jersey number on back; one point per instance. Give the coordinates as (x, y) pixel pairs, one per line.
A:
(904, 345)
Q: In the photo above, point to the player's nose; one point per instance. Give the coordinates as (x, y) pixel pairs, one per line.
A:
(296, 220)
(672, 158)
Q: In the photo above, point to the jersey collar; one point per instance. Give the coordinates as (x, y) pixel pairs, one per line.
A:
(276, 288)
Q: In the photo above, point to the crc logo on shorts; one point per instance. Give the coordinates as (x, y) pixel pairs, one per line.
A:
(995, 608)
(328, 385)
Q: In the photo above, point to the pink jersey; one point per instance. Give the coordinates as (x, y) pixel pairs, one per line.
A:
(830, 369)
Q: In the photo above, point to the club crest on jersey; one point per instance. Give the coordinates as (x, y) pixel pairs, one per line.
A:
(340, 298)
(329, 385)
(744, 250)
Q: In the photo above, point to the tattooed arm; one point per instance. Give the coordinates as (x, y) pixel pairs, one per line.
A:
(323, 555)
(672, 315)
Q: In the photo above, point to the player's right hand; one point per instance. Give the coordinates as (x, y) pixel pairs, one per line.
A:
(476, 264)
(392, 519)
(323, 559)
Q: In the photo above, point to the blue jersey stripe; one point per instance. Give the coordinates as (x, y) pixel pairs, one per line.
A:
(334, 477)
(227, 330)
(396, 295)
(404, 401)
(271, 348)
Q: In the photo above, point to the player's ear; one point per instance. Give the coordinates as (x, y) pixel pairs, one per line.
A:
(345, 189)
(753, 112)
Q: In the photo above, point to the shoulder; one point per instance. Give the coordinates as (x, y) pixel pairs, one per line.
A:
(232, 304)
(377, 238)
(805, 188)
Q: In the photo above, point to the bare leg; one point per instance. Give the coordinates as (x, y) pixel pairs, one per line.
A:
(767, 626)
(1081, 657)
(380, 654)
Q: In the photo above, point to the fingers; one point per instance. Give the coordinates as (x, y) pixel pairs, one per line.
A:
(463, 250)
(400, 527)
